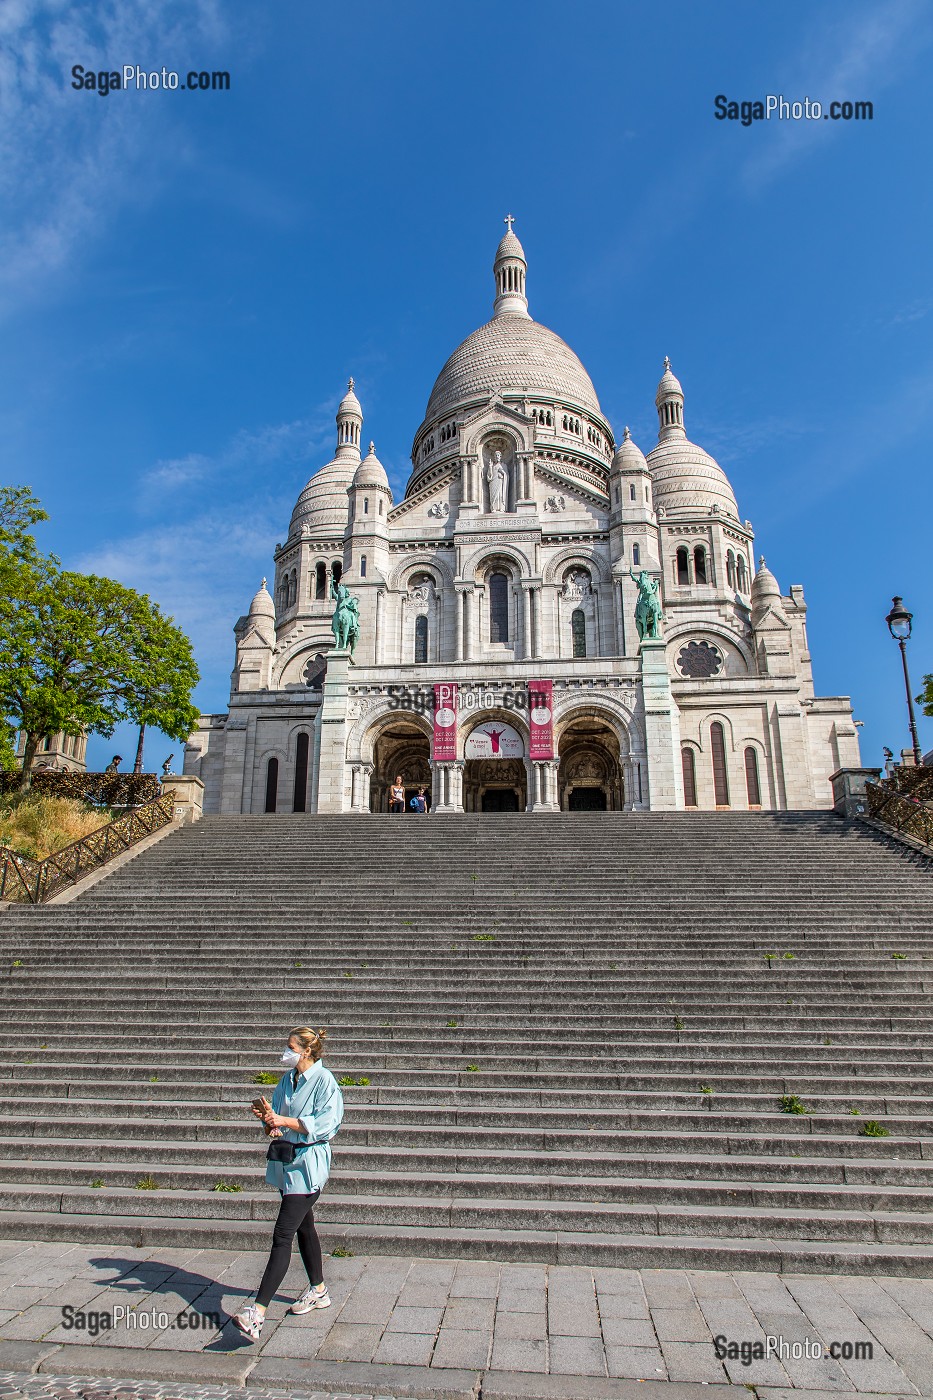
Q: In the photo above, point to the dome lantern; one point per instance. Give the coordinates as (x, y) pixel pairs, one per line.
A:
(509, 269)
(349, 423)
(670, 405)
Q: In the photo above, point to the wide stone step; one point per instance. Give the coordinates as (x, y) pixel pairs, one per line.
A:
(631, 1039)
(570, 1247)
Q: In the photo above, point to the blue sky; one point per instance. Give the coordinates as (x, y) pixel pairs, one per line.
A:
(187, 279)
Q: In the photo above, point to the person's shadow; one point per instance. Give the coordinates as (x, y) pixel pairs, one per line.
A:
(202, 1294)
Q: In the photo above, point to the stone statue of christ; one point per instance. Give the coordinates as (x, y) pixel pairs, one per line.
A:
(498, 477)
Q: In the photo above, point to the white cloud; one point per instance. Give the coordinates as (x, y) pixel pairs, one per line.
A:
(67, 158)
(204, 566)
(855, 58)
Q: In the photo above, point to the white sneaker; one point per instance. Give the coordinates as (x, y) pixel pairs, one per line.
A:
(311, 1298)
(250, 1320)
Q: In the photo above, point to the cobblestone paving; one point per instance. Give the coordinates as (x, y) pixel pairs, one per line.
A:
(453, 1315)
(21, 1387)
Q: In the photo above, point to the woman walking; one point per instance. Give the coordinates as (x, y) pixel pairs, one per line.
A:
(307, 1108)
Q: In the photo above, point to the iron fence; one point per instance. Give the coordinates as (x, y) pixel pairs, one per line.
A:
(902, 813)
(101, 789)
(27, 881)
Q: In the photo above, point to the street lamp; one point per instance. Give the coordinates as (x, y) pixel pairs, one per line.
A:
(899, 621)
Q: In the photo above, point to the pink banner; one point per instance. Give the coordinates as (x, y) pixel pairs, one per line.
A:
(540, 720)
(444, 746)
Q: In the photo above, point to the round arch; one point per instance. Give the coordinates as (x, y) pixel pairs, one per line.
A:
(556, 565)
(495, 782)
(398, 741)
(424, 562)
(491, 553)
(682, 632)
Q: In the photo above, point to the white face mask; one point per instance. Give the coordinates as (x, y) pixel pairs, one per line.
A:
(290, 1059)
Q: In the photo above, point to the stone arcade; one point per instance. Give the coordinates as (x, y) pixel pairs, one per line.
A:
(498, 661)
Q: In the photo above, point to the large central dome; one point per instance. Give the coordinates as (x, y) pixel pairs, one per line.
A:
(512, 352)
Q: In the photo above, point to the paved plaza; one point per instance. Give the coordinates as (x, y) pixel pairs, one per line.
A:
(445, 1328)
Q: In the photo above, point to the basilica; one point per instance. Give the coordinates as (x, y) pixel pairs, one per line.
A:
(548, 619)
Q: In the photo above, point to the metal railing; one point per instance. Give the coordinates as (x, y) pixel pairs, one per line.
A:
(27, 881)
(912, 781)
(102, 789)
(902, 813)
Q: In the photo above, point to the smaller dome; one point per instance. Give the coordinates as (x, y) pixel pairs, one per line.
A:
(510, 247)
(349, 403)
(629, 456)
(765, 585)
(262, 604)
(371, 472)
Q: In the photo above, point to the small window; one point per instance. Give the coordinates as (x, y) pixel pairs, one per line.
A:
(730, 569)
(720, 774)
(421, 640)
(683, 566)
(636, 554)
(752, 785)
(741, 575)
(688, 763)
(699, 564)
(320, 581)
(362, 566)
(380, 505)
(336, 570)
(631, 491)
(578, 632)
(365, 505)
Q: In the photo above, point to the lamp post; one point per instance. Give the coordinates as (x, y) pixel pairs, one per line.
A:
(899, 623)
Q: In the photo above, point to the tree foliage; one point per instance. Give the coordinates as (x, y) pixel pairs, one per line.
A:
(925, 698)
(78, 652)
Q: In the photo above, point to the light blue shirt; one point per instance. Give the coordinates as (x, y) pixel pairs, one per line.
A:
(317, 1103)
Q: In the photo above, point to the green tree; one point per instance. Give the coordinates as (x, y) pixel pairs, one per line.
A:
(161, 674)
(78, 653)
(19, 511)
(925, 698)
(63, 652)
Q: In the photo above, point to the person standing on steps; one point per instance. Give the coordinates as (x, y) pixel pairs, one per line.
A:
(397, 795)
(307, 1106)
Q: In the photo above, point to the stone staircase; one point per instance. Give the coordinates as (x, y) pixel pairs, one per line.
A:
(570, 1036)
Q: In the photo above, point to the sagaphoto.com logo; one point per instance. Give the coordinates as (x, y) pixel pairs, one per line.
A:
(777, 107)
(130, 77)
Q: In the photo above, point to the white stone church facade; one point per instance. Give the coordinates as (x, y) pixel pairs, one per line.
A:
(498, 662)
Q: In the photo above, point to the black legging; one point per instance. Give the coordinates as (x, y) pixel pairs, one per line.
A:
(296, 1216)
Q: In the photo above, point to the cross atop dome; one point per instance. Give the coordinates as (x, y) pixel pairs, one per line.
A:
(509, 219)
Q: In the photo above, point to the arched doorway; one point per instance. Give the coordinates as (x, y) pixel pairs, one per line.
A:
(403, 748)
(494, 774)
(589, 778)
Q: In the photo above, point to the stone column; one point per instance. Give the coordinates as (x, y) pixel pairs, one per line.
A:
(526, 620)
(366, 773)
(458, 600)
(662, 731)
(469, 622)
(543, 786)
(355, 788)
(380, 623)
(189, 797)
(332, 770)
(456, 786)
